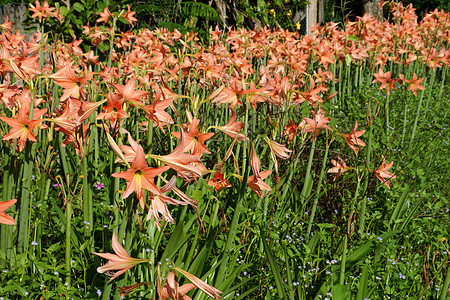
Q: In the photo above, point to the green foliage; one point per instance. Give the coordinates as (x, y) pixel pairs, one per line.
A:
(76, 15)
(269, 13)
(185, 16)
(339, 10)
(424, 6)
(3, 2)
(198, 9)
(151, 13)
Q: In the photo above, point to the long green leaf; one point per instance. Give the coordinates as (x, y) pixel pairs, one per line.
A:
(275, 271)
(362, 288)
(357, 256)
(398, 208)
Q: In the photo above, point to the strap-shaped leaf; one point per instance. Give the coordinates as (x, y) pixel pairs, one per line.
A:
(362, 287)
(398, 211)
(275, 270)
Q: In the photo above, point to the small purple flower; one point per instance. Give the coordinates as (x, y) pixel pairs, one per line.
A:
(99, 185)
(57, 185)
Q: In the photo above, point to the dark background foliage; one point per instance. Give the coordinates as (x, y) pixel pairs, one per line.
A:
(202, 15)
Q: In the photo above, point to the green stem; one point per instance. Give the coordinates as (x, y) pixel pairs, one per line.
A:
(238, 209)
(340, 80)
(404, 121)
(149, 134)
(24, 217)
(416, 120)
(6, 195)
(87, 232)
(120, 236)
(348, 86)
(386, 112)
(68, 245)
(317, 195)
(352, 208)
(430, 92)
(111, 42)
(444, 72)
(366, 181)
(446, 284)
(343, 261)
(308, 178)
(288, 182)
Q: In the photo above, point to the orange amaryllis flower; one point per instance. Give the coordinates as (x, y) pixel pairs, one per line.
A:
(203, 286)
(291, 130)
(129, 151)
(194, 139)
(156, 112)
(312, 95)
(77, 138)
(74, 113)
(70, 82)
(116, 149)
(65, 120)
(4, 218)
(6, 26)
(8, 95)
(41, 12)
(232, 128)
(159, 203)
(319, 123)
(339, 167)
(186, 165)
(256, 181)
(24, 66)
(113, 110)
(255, 163)
(433, 58)
(87, 108)
(127, 92)
(104, 16)
(22, 126)
(258, 185)
(383, 174)
(254, 95)
(119, 261)
(129, 16)
(414, 84)
(172, 289)
(218, 182)
(325, 54)
(353, 140)
(385, 80)
(277, 150)
(230, 95)
(140, 177)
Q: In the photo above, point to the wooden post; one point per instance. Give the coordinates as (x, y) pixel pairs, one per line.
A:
(311, 15)
(371, 7)
(321, 14)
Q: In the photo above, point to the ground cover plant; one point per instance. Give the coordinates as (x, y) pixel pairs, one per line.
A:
(263, 165)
